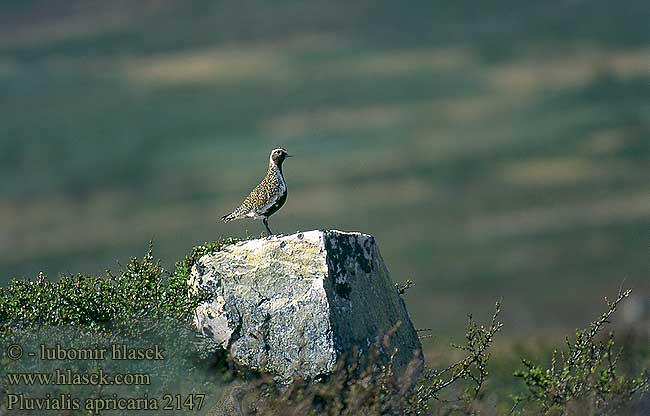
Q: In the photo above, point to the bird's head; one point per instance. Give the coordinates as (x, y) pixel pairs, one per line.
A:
(278, 156)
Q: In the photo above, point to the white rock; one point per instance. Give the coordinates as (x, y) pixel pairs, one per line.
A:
(294, 305)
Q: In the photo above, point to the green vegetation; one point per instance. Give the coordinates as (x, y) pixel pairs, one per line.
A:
(144, 305)
(141, 306)
(585, 376)
(142, 291)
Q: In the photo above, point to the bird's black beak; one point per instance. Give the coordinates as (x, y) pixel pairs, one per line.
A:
(288, 155)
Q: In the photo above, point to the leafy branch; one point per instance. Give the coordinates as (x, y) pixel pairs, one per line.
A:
(473, 367)
(585, 372)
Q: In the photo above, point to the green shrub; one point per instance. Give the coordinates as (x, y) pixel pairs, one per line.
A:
(584, 375)
(140, 306)
(143, 289)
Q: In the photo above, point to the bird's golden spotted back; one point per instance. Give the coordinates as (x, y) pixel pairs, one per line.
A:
(267, 197)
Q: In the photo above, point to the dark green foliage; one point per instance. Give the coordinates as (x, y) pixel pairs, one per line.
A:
(79, 299)
(142, 290)
(584, 375)
(141, 306)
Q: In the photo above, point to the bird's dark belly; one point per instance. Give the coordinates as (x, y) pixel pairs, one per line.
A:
(275, 207)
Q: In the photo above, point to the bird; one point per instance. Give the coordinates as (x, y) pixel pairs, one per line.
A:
(267, 197)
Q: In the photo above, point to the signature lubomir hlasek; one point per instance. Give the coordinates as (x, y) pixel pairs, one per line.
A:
(267, 197)
(115, 352)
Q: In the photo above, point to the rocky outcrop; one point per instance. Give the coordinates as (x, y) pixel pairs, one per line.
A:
(294, 305)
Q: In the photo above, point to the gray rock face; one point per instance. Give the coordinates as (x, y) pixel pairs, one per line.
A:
(294, 305)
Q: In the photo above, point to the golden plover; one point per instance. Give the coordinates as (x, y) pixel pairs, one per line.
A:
(267, 197)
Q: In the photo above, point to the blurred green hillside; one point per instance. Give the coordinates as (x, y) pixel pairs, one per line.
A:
(495, 149)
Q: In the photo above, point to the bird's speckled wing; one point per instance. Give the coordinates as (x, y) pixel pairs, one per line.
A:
(261, 199)
(248, 206)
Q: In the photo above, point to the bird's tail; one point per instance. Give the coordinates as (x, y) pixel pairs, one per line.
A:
(235, 215)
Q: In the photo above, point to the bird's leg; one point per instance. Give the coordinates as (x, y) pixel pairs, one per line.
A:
(265, 220)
